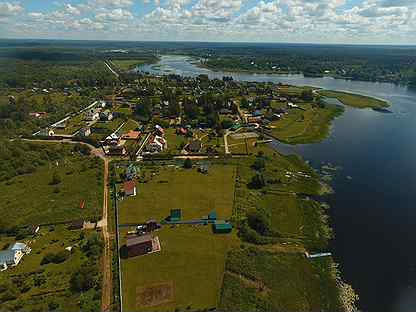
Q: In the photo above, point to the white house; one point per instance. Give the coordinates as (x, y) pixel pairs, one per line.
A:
(13, 255)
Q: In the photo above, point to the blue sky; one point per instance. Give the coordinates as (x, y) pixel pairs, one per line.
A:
(317, 21)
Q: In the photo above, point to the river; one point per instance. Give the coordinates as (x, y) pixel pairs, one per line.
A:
(373, 210)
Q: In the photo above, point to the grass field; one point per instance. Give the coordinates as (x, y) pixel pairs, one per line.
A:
(191, 263)
(31, 199)
(355, 100)
(305, 126)
(259, 280)
(192, 257)
(195, 193)
(45, 287)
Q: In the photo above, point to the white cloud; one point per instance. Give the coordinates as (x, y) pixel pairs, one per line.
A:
(115, 15)
(10, 9)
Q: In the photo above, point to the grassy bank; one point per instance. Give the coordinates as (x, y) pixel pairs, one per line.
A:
(355, 100)
(309, 124)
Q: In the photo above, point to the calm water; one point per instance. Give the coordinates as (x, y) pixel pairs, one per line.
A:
(373, 212)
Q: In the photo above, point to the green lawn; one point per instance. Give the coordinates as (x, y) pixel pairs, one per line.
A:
(355, 100)
(195, 193)
(305, 126)
(31, 199)
(45, 287)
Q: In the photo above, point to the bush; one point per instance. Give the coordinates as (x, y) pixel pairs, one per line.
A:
(257, 182)
(187, 164)
(84, 278)
(56, 258)
(259, 221)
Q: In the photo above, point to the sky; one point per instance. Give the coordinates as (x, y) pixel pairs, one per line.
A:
(306, 21)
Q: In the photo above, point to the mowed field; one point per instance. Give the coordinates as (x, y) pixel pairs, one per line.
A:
(188, 271)
(195, 193)
(31, 199)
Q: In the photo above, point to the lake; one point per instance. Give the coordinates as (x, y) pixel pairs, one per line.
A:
(373, 210)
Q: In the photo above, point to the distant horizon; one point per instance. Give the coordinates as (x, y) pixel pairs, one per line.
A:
(214, 42)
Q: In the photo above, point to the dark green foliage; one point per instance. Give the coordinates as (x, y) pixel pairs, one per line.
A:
(93, 245)
(227, 123)
(82, 149)
(56, 258)
(187, 164)
(257, 181)
(18, 157)
(84, 278)
(259, 220)
(259, 163)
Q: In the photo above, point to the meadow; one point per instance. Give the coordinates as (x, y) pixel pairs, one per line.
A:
(36, 198)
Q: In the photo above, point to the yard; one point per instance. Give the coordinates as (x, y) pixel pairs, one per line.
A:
(187, 273)
(37, 286)
(167, 188)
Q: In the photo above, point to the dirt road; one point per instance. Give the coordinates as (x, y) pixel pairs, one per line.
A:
(106, 262)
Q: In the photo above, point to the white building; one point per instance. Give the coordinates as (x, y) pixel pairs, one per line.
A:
(13, 255)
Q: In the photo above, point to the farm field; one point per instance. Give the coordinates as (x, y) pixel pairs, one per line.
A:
(32, 198)
(35, 285)
(189, 268)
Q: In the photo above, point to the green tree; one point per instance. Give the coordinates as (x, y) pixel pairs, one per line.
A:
(187, 164)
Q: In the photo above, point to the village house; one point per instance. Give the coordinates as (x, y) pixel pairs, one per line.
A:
(84, 132)
(130, 188)
(13, 255)
(156, 144)
(141, 245)
(116, 150)
(92, 115)
(46, 132)
(106, 115)
(159, 130)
